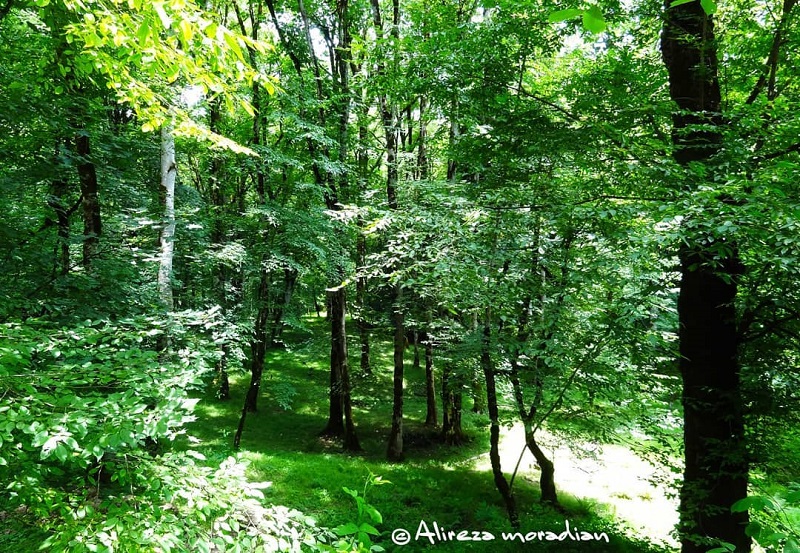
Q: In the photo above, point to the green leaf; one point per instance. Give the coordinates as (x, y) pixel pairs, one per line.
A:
(675, 3)
(753, 529)
(563, 15)
(186, 31)
(373, 513)
(709, 6)
(346, 529)
(368, 529)
(233, 44)
(755, 502)
(593, 20)
(166, 20)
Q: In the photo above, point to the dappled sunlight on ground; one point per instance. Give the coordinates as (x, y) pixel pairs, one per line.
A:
(613, 476)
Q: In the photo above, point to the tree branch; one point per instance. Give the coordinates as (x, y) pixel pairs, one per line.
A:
(768, 75)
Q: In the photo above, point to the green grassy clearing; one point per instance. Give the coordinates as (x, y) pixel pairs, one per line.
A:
(436, 483)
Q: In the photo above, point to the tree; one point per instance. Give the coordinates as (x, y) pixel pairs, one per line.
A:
(715, 452)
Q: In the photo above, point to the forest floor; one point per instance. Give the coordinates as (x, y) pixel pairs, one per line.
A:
(620, 483)
(448, 485)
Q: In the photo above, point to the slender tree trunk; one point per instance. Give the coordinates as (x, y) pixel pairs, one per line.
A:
(361, 302)
(451, 408)
(716, 460)
(494, 429)
(258, 345)
(87, 175)
(220, 271)
(340, 420)
(416, 363)
(339, 358)
(422, 152)
(430, 385)
(56, 202)
(395, 448)
(169, 171)
(289, 282)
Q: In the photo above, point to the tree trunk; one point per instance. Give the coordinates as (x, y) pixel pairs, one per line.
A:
(452, 433)
(395, 448)
(716, 461)
(289, 282)
(340, 416)
(422, 152)
(258, 346)
(220, 271)
(361, 302)
(339, 360)
(494, 429)
(169, 171)
(56, 202)
(87, 175)
(430, 386)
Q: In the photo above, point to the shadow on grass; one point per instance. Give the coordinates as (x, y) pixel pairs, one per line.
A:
(436, 483)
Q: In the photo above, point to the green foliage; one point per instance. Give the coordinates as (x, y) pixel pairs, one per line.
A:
(592, 18)
(776, 519)
(182, 506)
(357, 534)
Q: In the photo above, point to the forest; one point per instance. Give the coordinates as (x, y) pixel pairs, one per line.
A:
(400, 275)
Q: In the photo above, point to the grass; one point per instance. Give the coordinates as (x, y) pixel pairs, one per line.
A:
(435, 483)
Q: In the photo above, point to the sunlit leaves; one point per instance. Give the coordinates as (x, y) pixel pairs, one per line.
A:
(591, 17)
(709, 6)
(173, 41)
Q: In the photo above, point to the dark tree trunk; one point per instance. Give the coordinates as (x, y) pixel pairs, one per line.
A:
(395, 448)
(422, 153)
(716, 460)
(547, 482)
(430, 386)
(335, 425)
(339, 360)
(258, 346)
(87, 175)
(340, 416)
(494, 430)
(361, 302)
(289, 282)
(452, 433)
(56, 202)
(220, 272)
(416, 350)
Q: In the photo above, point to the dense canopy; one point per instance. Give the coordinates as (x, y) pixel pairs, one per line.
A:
(337, 244)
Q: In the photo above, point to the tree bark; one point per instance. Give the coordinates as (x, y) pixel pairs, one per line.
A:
(716, 459)
(258, 345)
(361, 303)
(56, 202)
(169, 172)
(494, 429)
(431, 418)
(451, 409)
(340, 418)
(335, 424)
(87, 176)
(395, 448)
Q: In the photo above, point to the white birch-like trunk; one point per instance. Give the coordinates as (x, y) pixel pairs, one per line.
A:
(169, 171)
